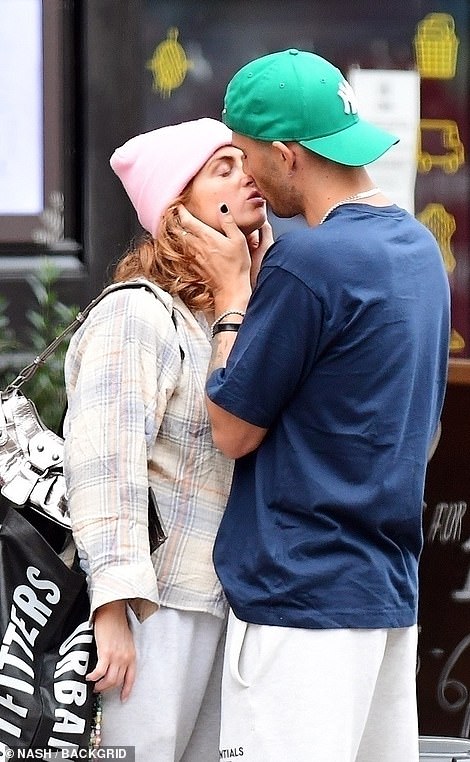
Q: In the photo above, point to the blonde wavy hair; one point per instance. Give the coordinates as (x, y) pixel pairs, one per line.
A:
(168, 260)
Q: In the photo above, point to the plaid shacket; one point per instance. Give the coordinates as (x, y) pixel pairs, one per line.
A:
(136, 415)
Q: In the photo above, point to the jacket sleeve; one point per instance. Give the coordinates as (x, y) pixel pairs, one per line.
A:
(121, 367)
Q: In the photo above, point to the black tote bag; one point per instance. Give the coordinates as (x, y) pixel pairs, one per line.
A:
(46, 643)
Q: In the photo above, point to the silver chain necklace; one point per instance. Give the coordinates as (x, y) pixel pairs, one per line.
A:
(349, 200)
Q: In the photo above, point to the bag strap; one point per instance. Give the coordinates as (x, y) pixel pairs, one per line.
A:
(28, 372)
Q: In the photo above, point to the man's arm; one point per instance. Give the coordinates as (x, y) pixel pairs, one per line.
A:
(227, 263)
(233, 436)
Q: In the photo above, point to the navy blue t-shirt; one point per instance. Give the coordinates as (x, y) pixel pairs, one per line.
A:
(342, 356)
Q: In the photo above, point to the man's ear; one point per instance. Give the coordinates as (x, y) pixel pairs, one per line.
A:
(286, 153)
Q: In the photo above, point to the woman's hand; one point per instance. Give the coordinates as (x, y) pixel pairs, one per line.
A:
(116, 663)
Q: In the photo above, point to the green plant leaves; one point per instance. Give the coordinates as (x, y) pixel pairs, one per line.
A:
(46, 319)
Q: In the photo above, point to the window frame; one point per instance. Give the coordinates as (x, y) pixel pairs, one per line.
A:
(56, 228)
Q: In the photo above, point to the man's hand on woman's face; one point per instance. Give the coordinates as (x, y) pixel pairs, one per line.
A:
(258, 243)
(229, 260)
(223, 258)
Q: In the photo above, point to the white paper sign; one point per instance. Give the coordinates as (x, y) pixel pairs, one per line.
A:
(391, 99)
(21, 104)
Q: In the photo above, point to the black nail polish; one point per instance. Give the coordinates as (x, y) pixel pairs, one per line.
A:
(224, 208)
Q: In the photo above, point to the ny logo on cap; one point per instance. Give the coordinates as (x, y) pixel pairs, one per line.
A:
(348, 96)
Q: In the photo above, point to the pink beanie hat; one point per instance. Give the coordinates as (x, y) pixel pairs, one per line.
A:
(156, 166)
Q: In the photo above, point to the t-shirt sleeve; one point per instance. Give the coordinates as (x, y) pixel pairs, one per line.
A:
(274, 350)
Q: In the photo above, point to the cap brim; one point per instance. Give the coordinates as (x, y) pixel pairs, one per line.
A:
(357, 145)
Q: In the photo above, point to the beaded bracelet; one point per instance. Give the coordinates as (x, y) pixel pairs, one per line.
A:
(225, 327)
(224, 315)
(95, 732)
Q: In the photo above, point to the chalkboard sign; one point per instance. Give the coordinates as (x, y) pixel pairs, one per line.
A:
(444, 615)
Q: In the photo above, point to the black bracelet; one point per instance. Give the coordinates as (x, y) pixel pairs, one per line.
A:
(225, 327)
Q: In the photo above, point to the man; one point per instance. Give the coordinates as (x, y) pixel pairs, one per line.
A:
(329, 397)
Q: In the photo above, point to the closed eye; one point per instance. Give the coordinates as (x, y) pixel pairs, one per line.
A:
(224, 168)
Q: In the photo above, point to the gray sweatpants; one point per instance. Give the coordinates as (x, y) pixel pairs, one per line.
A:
(173, 712)
(294, 695)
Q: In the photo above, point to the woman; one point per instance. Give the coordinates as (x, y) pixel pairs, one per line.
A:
(135, 377)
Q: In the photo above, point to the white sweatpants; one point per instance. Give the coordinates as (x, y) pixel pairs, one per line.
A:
(295, 695)
(173, 713)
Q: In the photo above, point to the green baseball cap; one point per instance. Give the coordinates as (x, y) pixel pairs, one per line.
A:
(294, 95)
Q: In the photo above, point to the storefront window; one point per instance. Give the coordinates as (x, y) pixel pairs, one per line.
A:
(190, 51)
(36, 96)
